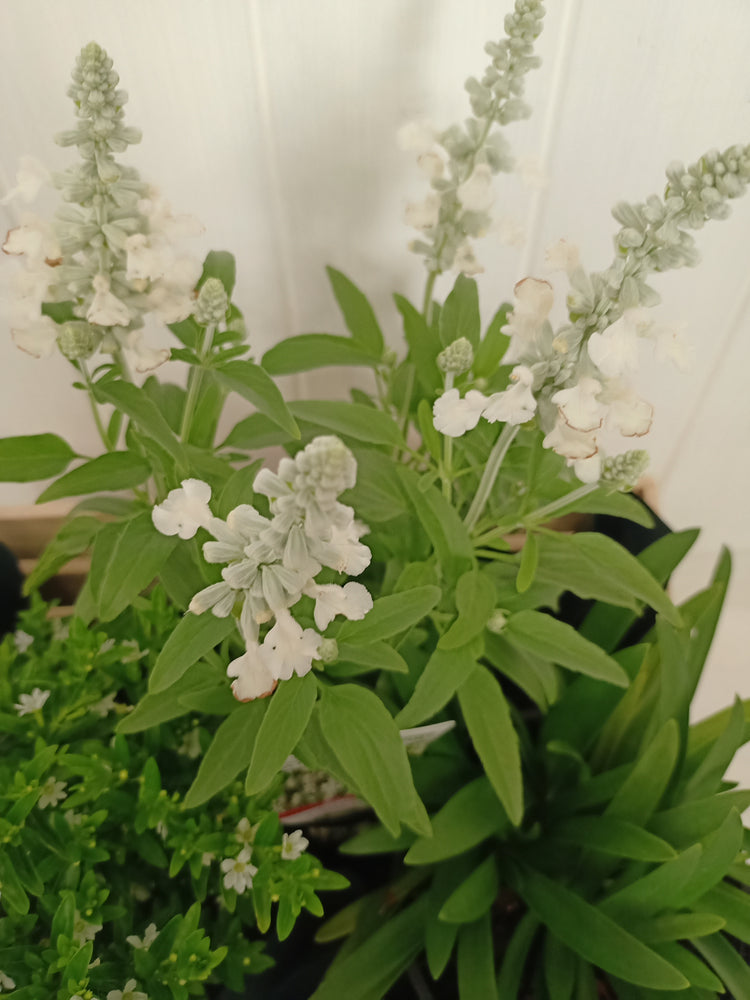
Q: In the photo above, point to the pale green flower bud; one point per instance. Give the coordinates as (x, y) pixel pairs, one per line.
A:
(212, 304)
(622, 472)
(457, 357)
(497, 621)
(78, 340)
(328, 651)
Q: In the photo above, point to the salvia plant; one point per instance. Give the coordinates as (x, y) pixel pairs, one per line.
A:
(381, 620)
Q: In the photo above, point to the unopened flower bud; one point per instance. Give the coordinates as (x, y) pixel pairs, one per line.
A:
(497, 621)
(457, 357)
(328, 651)
(78, 340)
(212, 303)
(622, 472)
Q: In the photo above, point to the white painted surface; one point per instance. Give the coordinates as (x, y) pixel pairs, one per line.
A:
(274, 122)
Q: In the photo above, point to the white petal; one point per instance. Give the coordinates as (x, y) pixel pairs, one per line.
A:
(569, 442)
(106, 309)
(146, 358)
(39, 339)
(475, 194)
(579, 406)
(516, 404)
(253, 678)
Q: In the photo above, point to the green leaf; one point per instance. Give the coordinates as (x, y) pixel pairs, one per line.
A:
(369, 970)
(377, 840)
(424, 346)
(594, 936)
(493, 345)
(642, 790)
(441, 523)
(73, 538)
(360, 731)
(153, 709)
(143, 412)
(193, 637)
(592, 565)
(529, 563)
(533, 674)
(373, 656)
(33, 456)
(460, 314)
(613, 836)
(254, 384)
(431, 438)
(516, 954)
(474, 896)
(495, 740)
(14, 894)
(733, 905)
(559, 642)
(690, 821)
(720, 848)
(117, 470)
(731, 969)
(316, 350)
(220, 264)
(692, 968)
(238, 489)
(657, 890)
(444, 673)
(476, 962)
(126, 558)
(475, 602)
(358, 313)
(284, 723)
(390, 615)
(229, 753)
(467, 818)
(255, 431)
(559, 968)
(350, 420)
(707, 776)
(208, 407)
(677, 927)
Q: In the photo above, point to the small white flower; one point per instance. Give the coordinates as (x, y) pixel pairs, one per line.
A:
(353, 601)
(161, 829)
(144, 261)
(128, 993)
(22, 640)
(149, 936)
(516, 404)
(60, 631)
(220, 597)
(431, 163)
(293, 845)
(38, 339)
(343, 550)
(295, 647)
(475, 194)
(570, 443)
(184, 510)
(190, 746)
(588, 470)
(454, 416)
(238, 872)
(532, 302)
(425, 214)
(465, 260)
(83, 931)
(6, 983)
(245, 831)
(629, 414)
(579, 406)
(73, 818)
(171, 304)
(146, 358)
(615, 352)
(52, 792)
(106, 309)
(254, 672)
(28, 703)
(207, 859)
(416, 136)
(105, 706)
(563, 256)
(30, 177)
(33, 239)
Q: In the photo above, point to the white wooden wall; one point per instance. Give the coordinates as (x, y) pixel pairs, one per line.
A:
(274, 121)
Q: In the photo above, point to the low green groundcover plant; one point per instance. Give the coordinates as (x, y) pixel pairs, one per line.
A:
(555, 827)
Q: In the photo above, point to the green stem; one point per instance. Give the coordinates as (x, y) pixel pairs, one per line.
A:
(447, 471)
(491, 469)
(427, 302)
(194, 382)
(83, 369)
(541, 514)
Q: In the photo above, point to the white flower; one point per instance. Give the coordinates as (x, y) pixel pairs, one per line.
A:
(144, 261)
(569, 442)
(431, 163)
(293, 845)
(615, 352)
(171, 304)
(563, 256)
(475, 194)
(629, 414)
(34, 239)
(185, 509)
(30, 177)
(22, 640)
(105, 706)
(465, 260)
(190, 746)
(38, 339)
(454, 416)
(83, 931)
(52, 792)
(588, 470)
(28, 703)
(417, 740)
(238, 872)
(245, 831)
(146, 358)
(106, 309)
(6, 983)
(295, 647)
(128, 993)
(578, 405)
(353, 601)
(516, 404)
(533, 300)
(255, 672)
(149, 936)
(416, 136)
(423, 214)
(342, 550)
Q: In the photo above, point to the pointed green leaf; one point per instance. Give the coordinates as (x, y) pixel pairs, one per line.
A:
(143, 412)
(476, 962)
(316, 350)
(229, 753)
(613, 836)
(467, 818)
(350, 420)
(442, 525)
(460, 314)
(495, 740)
(559, 968)
(193, 637)
(642, 790)
(33, 456)
(444, 673)
(728, 965)
(474, 896)
(254, 384)
(73, 538)
(475, 602)
(284, 723)
(220, 264)
(528, 564)
(424, 346)
(117, 470)
(516, 955)
(493, 345)
(373, 656)
(655, 891)
(390, 615)
(358, 313)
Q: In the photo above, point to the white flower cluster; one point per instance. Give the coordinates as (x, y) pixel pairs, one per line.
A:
(460, 162)
(270, 562)
(112, 251)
